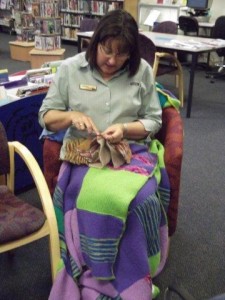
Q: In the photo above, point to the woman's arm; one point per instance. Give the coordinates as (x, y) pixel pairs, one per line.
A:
(57, 120)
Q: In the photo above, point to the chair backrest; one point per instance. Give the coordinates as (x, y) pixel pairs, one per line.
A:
(219, 33)
(4, 152)
(188, 25)
(147, 49)
(88, 24)
(166, 27)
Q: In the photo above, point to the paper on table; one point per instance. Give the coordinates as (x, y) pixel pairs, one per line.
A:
(152, 17)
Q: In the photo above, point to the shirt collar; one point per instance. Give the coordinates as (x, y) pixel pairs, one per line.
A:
(82, 59)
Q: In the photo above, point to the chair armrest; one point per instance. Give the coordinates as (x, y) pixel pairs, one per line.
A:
(51, 162)
(36, 173)
(171, 136)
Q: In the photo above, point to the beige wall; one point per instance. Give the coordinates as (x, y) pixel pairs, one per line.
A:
(217, 9)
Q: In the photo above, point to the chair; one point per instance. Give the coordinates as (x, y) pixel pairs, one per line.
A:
(162, 63)
(87, 24)
(171, 136)
(166, 27)
(189, 25)
(218, 33)
(169, 27)
(20, 222)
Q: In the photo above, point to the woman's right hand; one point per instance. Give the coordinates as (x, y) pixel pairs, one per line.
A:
(83, 122)
(56, 120)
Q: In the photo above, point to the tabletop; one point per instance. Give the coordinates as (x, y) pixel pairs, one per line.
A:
(191, 44)
(176, 41)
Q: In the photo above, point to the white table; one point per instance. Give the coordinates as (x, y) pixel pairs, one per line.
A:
(188, 44)
(207, 27)
(179, 43)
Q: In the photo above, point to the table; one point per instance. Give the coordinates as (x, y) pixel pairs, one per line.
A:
(191, 45)
(207, 26)
(20, 119)
(20, 50)
(39, 57)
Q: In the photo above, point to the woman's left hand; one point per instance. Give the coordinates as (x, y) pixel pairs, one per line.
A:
(114, 133)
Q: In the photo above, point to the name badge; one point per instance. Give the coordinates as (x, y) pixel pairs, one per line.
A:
(87, 87)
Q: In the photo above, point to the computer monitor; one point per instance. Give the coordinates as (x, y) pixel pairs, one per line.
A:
(198, 4)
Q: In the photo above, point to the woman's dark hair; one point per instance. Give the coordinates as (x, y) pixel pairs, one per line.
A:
(117, 24)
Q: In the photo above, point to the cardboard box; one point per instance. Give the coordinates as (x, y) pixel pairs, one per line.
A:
(20, 50)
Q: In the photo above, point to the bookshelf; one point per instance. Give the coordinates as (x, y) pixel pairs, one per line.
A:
(47, 25)
(6, 15)
(73, 11)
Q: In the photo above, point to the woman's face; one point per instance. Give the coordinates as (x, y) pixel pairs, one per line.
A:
(109, 59)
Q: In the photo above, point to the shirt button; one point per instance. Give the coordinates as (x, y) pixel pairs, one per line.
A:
(107, 103)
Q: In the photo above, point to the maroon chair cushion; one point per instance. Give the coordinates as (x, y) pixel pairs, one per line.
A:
(171, 136)
(4, 152)
(17, 218)
(51, 150)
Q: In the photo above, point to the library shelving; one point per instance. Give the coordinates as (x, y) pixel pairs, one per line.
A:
(73, 11)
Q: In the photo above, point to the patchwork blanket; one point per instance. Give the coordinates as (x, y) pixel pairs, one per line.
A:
(113, 227)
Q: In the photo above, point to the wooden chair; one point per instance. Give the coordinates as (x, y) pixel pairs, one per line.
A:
(171, 136)
(20, 222)
(162, 63)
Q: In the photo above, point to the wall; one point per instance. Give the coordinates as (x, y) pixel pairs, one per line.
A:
(217, 9)
(132, 7)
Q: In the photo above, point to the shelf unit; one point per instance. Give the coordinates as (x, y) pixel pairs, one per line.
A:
(7, 13)
(47, 25)
(166, 13)
(73, 11)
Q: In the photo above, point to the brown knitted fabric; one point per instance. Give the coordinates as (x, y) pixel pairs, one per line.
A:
(97, 152)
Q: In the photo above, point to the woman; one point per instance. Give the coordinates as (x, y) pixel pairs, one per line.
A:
(109, 251)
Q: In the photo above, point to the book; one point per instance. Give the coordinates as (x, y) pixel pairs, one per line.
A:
(4, 75)
(27, 20)
(36, 9)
